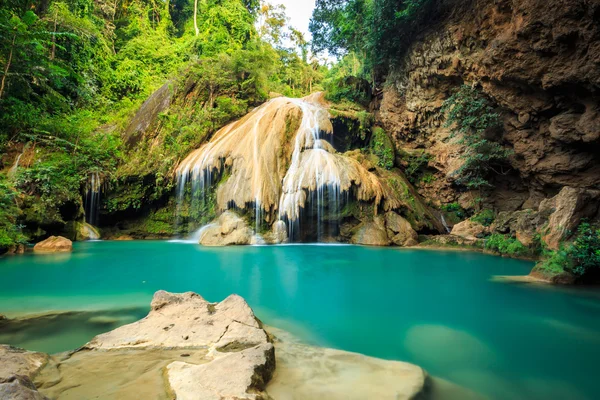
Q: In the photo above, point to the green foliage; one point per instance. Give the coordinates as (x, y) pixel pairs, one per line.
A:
(584, 253)
(505, 245)
(485, 217)
(383, 148)
(10, 231)
(379, 30)
(415, 165)
(471, 117)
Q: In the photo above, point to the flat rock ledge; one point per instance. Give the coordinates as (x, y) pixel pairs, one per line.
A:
(187, 348)
(241, 357)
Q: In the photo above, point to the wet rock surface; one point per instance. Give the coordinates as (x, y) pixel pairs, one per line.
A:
(308, 372)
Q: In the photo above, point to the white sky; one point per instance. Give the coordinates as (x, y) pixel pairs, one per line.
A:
(299, 13)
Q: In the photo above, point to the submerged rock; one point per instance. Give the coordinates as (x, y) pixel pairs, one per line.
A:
(308, 372)
(17, 369)
(54, 244)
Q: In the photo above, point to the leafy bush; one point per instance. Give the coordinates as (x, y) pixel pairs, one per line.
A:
(471, 115)
(506, 245)
(485, 217)
(416, 163)
(10, 231)
(383, 148)
(585, 250)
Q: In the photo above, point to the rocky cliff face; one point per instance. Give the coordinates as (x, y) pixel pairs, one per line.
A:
(539, 62)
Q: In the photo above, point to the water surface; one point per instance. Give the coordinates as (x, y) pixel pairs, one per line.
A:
(437, 309)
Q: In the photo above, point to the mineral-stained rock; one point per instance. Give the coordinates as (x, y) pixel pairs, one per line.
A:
(17, 368)
(308, 372)
(371, 233)
(567, 209)
(399, 230)
(54, 244)
(469, 230)
(78, 231)
(228, 229)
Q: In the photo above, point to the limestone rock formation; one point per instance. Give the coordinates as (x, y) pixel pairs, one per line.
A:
(527, 57)
(567, 209)
(275, 161)
(78, 231)
(371, 233)
(399, 230)
(240, 356)
(469, 230)
(229, 229)
(308, 372)
(54, 244)
(17, 369)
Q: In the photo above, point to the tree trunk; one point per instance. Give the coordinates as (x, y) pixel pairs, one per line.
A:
(12, 46)
(52, 53)
(195, 17)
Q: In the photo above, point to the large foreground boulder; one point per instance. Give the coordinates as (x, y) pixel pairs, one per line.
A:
(186, 346)
(17, 369)
(54, 244)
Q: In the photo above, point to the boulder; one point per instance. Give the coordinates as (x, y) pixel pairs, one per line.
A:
(469, 230)
(566, 210)
(54, 244)
(240, 357)
(371, 233)
(17, 369)
(228, 229)
(399, 230)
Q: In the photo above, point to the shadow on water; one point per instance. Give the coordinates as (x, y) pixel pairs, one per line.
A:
(55, 333)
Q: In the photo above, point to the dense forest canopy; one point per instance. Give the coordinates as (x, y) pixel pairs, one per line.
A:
(75, 71)
(378, 31)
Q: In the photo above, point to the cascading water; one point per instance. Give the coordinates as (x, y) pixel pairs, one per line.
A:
(92, 198)
(275, 163)
(13, 170)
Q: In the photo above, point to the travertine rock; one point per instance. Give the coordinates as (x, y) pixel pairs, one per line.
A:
(54, 244)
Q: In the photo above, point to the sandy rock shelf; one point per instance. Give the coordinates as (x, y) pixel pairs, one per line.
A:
(187, 348)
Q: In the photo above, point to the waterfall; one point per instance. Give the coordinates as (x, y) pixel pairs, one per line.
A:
(92, 198)
(274, 165)
(13, 170)
(444, 223)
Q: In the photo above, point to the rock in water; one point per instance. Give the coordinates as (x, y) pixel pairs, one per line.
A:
(308, 372)
(17, 368)
(240, 357)
(228, 229)
(54, 244)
